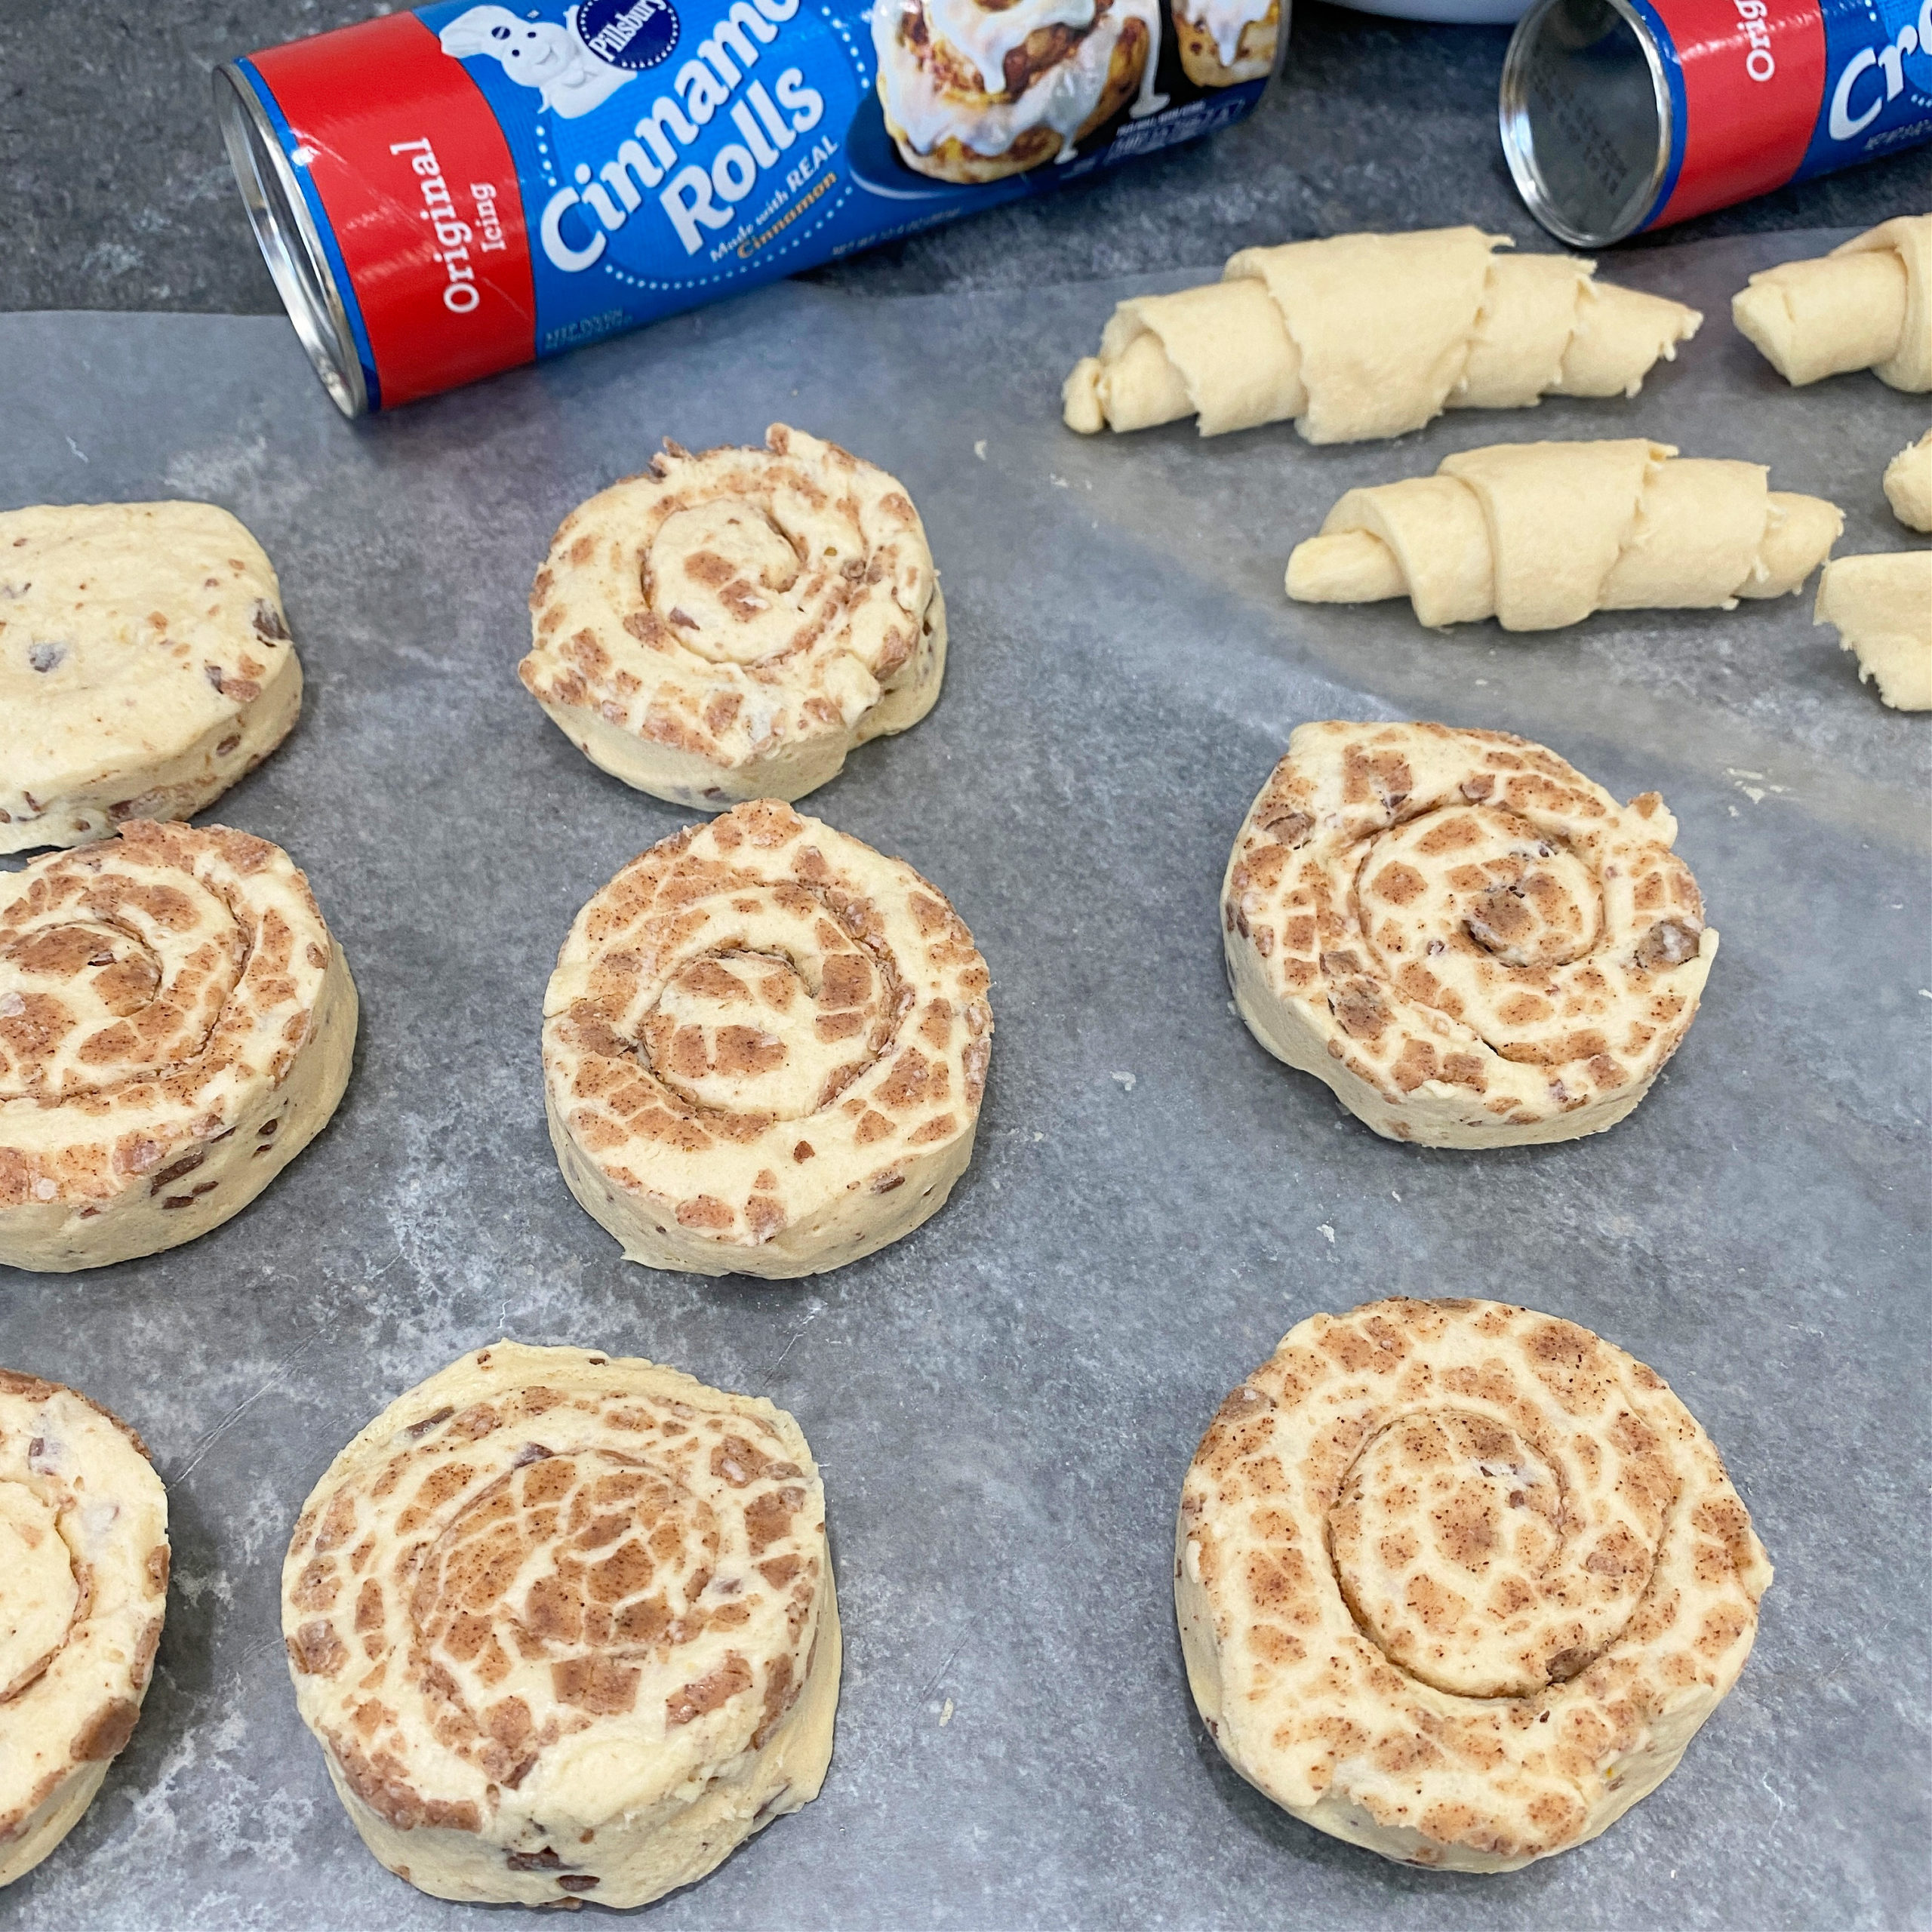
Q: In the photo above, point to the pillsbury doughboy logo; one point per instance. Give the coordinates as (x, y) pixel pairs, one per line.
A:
(492, 181)
(635, 34)
(550, 56)
(727, 150)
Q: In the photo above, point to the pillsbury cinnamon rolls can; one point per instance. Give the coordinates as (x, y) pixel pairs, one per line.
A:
(449, 191)
(1619, 115)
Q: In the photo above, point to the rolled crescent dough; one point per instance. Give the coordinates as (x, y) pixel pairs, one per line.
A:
(763, 1049)
(1458, 1581)
(728, 626)
(144, 666)
(176, 1026)
(1882, 606)
(563, 1624)
(1539, 535)
(83, 1559)
(1467, 940)
(1867, 305)
(1363, 336)
(1908, 484)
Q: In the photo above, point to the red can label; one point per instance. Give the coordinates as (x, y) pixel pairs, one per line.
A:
(490, 185)
(422, 198)
(1763, 92)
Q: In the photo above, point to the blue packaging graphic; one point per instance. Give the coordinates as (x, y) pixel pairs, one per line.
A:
(477, 185)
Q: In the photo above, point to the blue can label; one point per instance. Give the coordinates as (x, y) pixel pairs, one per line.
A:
(615, 161)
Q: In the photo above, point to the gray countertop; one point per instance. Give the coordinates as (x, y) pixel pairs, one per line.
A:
(118, 196)
(1004, 1402)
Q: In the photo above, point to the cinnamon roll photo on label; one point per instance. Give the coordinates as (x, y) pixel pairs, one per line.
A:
(1467, 940)
(975, 92)
(1223, 42)
(563, 1625)
(729, 626)
(765, 1046)
(1458, 1581)
(176, 1024)
(84, 1557)
(144, 666)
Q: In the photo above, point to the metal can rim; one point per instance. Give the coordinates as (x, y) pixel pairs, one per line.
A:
(1518, 136)
(296, 262)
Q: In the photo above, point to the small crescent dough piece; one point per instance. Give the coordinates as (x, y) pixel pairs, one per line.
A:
(563, 1624)
(1867, 305)
(1458, 1581)
(176, 1026)
(1539, 535)
(83, 1590)
(763, 1049)
(1471, 943)
(1908, 484)
(1882, 606)
(1362, 336)
(144, 666)
(728, 626)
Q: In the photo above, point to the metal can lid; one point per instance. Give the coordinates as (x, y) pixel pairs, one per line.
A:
(1585, 117)
(285, 233)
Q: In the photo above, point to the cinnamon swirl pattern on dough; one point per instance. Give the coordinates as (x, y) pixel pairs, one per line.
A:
(83, 1590)
(763, 1049)
(1458, 1581)
(1470, 941)
(144, 666)
(974, 92)
(563, 1625)
(729, 626)
(176, 1026)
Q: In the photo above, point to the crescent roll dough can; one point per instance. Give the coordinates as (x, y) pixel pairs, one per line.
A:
(1619, 115)
(447, 192)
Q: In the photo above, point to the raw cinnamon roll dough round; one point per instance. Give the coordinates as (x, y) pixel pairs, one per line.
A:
(176, 1026)
(144, 666)
(729, 626)
(1471, 944)
(83, 1590)
(764, 1046)
(563, 1625)
(1458, 1581)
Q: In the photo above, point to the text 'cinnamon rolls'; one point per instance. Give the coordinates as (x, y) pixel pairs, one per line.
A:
(1470, 941)
(1458, 1581)
(563, 1624)
(764, 1046)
